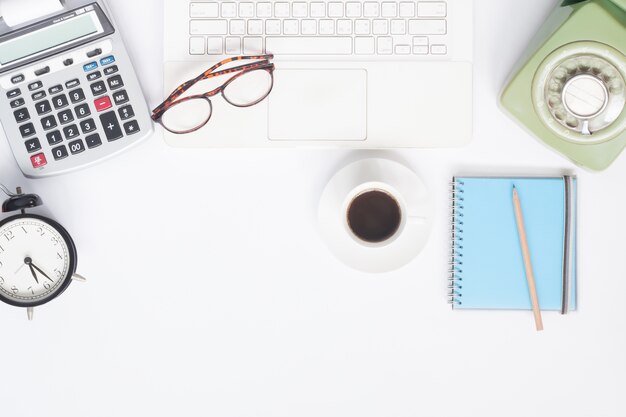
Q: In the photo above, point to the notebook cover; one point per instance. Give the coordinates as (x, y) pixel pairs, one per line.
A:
(489, 270)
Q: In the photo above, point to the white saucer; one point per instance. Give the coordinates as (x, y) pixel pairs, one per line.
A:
(406, 246)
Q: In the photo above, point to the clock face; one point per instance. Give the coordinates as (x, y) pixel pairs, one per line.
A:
(37, 260)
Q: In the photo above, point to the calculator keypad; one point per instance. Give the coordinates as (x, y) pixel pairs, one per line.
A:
(27, 130)
(59, 101)
(33, 145)
(93, 141)
(38, 160)
(17, 103)
(54, 137)
(48, 122)
(82, 110)
(112, 128)
(67, 114)
(120, 97)
(103, 103)
(21, 115)
(98, 88)
(43, 107)
(38, 95)
(60, 152)
(55, 89)
(14, 93)
(70, 131)
(76, 146)
(88, 125)
(76, 96)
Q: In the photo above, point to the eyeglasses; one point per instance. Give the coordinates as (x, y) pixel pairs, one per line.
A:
(250, 85)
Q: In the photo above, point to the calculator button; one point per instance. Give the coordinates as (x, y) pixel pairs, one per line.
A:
(17, 78)
(90, 66)
(27, 130)
(59, 152)
(82, 110)
(43, 107)
(59, 101)
(17, 102)
(33, 145)
(115, 82)
(98, 88)
(120, 97)
(131, 127)
(102, 103)
(21, 115)
(77, 95)
(112, 128)
(76, 147)
(93, 76)
(70, 131)
(55, 89)
(126, 112)
(93, 141)
(54, 137)
(38, 160)
(72, 83)
(88, 125)
(68, 62)
(93, 53)
(38, 95)
(110, 70)
(107, 60)
(42, 71)
(14, 93)
(35, 86)
(65, 116)
(48, 122)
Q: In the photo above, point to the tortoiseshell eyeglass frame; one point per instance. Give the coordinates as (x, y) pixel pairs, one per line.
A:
(262, 64)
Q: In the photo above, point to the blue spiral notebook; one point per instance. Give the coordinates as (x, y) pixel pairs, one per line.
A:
(487, 267)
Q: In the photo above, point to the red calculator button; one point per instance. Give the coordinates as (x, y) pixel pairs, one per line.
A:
(102, 103)
(38, 160)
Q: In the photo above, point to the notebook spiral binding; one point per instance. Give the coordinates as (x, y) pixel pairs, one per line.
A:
(455, 273)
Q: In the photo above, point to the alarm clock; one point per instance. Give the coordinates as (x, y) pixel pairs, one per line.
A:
(38, 258)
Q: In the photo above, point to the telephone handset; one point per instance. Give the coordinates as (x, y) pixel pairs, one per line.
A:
(570, 88)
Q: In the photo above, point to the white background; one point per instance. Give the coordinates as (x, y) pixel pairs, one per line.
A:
(210, 292)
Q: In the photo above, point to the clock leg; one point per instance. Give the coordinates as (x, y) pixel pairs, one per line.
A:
(79, 278)
(30, 311)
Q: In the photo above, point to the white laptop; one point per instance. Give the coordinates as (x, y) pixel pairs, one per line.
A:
(349, 74)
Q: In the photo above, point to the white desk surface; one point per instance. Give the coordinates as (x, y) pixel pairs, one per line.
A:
(210, 292)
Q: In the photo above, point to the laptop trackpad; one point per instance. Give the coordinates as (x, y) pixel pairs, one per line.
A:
(318, 105)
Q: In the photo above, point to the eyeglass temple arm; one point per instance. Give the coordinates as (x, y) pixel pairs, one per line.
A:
(180, 90)
(210, 72)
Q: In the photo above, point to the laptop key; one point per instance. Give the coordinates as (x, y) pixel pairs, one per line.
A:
(427, 27)
(208, 27)
(204, 10)
(432, 9)
(338, 45)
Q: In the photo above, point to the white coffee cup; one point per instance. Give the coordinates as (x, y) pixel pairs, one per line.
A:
(376, 214)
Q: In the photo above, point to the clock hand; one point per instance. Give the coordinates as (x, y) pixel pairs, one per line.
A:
(41, 272)
(28, 262)
(20, 268)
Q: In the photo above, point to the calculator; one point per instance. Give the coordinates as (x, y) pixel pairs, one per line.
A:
(69, 96)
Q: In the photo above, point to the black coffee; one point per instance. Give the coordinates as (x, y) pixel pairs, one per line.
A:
(374, 216)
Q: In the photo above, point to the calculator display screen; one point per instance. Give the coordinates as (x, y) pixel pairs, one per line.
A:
(48, 38)
(52, 36)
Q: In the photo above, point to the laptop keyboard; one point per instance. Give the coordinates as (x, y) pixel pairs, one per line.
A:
(368, 28)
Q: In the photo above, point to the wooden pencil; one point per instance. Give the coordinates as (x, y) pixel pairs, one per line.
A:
(530, 277)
